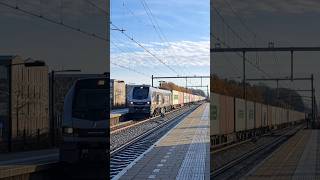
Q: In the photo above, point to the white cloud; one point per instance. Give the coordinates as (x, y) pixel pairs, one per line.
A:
(180, 53)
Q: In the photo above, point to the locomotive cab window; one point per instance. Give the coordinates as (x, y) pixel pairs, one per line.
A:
(140, 93)
(90, 104)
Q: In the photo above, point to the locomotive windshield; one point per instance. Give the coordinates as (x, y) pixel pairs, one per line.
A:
(140, 93)
(91, 99)
(90, 104)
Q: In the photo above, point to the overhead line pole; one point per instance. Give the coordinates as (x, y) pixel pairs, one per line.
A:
(177, 77)
(264, 49)
(268, 49)
(180, 77)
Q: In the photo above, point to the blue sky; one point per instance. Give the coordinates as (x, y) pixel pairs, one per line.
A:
(184, 46)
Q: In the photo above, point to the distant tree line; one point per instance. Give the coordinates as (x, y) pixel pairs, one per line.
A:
(171, 86)
(261, 93)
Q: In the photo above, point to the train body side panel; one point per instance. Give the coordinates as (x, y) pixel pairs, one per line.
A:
(175, 97)
(250, 115)
(269, 116)
(258, 115)
(226, 112)
(264, 115)
(214, 114)
(240, 114)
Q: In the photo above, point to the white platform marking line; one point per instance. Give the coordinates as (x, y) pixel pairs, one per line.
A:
(193, 166)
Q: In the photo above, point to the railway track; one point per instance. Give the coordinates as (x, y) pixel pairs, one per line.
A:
(237, 167)
(136, 122)
(122, 156)
(123, 135)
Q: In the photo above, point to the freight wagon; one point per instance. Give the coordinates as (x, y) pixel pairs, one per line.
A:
(117, 94)
(234, 119)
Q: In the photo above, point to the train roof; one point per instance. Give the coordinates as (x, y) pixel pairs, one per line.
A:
(86, 83)
(153, 88)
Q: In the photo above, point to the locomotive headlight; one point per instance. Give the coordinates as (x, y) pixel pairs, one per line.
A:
(131, 102)
(148, 102)
(68, 130)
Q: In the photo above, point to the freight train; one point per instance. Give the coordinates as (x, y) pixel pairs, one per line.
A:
(85, 126)
(234, 119)
(151, 101)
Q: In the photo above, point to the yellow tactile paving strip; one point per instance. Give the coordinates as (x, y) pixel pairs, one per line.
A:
(284, 162)
(166, 158)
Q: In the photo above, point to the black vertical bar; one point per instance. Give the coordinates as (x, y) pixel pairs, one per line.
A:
(152, 80)
(52, 110)
(291, 65)
(10, 108)
(186, 83)
(244, 87)
(312, 98)
(187, 89)
(38, 135)
(244, 74)
(234, 115)
(277, 89)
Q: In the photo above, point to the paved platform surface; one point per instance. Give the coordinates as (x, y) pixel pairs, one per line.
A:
(298, 158)
(16, 163)
(182, 154)
(119, 111)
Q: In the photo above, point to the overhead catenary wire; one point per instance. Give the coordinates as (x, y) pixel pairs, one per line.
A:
(126, 48)
(123, 51)
(241, 20)
(134, 15)
(61, 23)
(256, 65)
(126, 67)
(143, 47)
(239, 54)
(130, 69)
(135, 41)
(163, 38)
(229, 27)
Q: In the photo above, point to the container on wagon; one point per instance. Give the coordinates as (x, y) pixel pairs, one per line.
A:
(240, 115)
(214, 114)
(258, 115)
(250, 115)
(226, 118)
(117, 93)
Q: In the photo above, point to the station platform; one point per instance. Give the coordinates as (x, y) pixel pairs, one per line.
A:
(183, 153)
(120, 111)
(116, 115)
(13, 164)
(298, 158)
